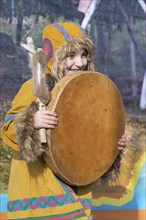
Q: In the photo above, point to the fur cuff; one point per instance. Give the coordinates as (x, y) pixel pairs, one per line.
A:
(27, 135)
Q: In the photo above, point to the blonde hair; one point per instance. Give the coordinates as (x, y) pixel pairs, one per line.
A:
(76, 44)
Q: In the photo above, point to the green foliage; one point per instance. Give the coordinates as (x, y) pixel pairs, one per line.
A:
(5, 152)
(4, 107)
(5, 162)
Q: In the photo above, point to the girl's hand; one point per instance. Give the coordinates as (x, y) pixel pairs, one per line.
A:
(122, 142)
(45, 119)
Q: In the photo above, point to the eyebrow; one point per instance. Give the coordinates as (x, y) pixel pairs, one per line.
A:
(85, 51)
(70, 53)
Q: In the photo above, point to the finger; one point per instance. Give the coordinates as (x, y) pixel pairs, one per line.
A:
(49, 121)
(52, 122)
(120, 148)
(47, 112)
(49, 118)
(48, 126)
(122, 140)
(46, 123)
(121, 144)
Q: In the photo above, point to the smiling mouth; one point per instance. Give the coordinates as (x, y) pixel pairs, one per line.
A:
(75, 70)
(72, 71)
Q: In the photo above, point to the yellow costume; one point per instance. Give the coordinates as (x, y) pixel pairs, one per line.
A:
(34, 191)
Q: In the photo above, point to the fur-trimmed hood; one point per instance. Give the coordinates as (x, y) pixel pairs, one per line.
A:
(58, 37)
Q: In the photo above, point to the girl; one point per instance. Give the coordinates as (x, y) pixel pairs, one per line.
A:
(34, 191)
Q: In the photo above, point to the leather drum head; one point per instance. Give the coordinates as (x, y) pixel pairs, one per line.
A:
(91, 120)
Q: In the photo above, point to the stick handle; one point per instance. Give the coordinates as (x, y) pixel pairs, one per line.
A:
(42, 131)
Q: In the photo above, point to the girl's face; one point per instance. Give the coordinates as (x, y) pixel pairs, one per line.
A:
(75, 61)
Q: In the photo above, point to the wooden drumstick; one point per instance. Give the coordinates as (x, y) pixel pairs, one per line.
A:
(42, 131)
(41, 90)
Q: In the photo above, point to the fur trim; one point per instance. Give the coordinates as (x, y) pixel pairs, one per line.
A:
(113, 172)
(27, 135)
(41, 90)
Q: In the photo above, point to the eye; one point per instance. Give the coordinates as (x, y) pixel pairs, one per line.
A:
(84, 54)
(71, 55)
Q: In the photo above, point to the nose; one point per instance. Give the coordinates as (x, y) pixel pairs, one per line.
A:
(79, 62)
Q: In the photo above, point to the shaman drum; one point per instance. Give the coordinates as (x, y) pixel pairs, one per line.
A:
(91, 120)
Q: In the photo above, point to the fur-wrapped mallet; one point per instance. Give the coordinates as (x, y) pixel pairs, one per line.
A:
(31, 141)
(41, 91)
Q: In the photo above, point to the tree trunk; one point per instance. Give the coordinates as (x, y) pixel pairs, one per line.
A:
(133, 65)
(12, 11)
(143, 94)
(131, 33)
(101, 48)
(108, 49)
(93, 33)
(133, 69)
(19, 26)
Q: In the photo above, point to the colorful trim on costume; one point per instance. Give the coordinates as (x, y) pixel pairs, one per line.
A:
(86, 202)
(62, 31)
(9, 118)
(51, 202)
(69, 215)
(48, 48)
(40, 202)
(46, 202)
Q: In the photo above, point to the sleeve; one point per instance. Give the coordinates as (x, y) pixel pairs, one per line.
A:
(22, 100)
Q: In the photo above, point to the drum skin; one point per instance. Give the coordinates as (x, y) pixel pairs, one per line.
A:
(90, 110)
